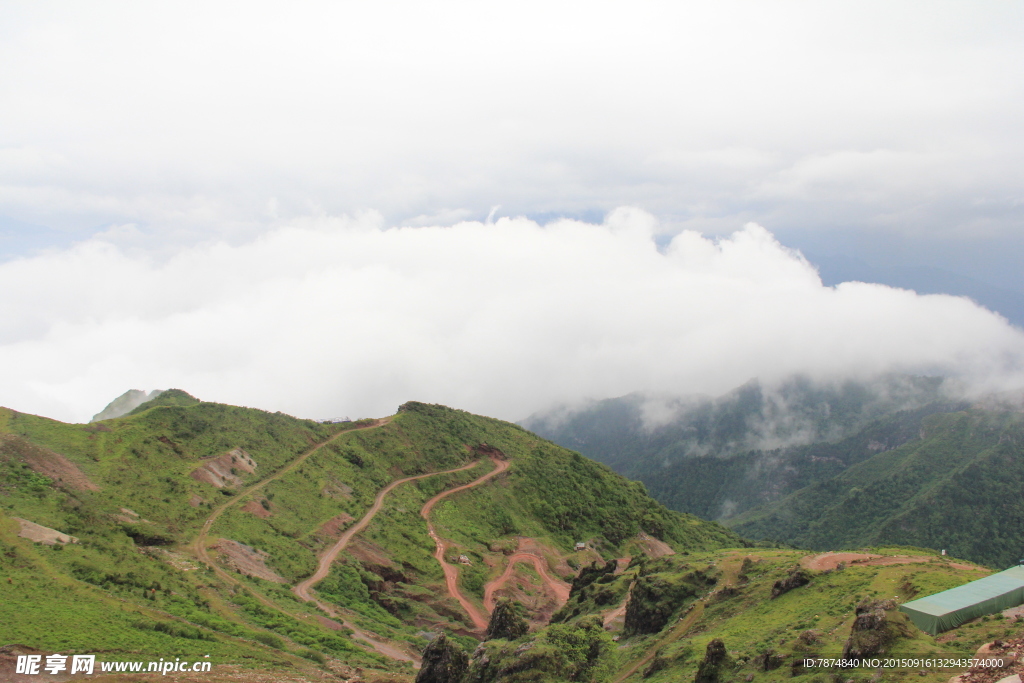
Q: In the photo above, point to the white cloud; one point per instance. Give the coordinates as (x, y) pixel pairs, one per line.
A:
(189, 118)
(328, 316)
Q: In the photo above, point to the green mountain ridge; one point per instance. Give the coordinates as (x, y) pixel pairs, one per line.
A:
(149, 496)
(135, 492)
(942, 473)
(956, 487)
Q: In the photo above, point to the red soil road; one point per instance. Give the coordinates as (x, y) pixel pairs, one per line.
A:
(199, 545)
(558, 587)
(201, 552)
(327, 559)
(451, 573)
(301, 589)
(619, 611)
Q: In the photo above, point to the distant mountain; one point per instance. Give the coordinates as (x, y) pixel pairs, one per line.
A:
(125, 403)
(716, 457)
(897, 461)
(955, 486)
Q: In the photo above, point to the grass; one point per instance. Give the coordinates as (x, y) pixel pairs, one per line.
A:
(113, 593)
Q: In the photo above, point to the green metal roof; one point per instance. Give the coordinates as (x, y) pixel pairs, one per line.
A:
(948, 609)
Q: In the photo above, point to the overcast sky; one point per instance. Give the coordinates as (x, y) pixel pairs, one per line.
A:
(190, 177)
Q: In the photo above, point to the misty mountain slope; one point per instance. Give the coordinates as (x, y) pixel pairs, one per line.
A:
(958, 488)
(124, 404)
(721, 487)
(717, 457)
(136, 490)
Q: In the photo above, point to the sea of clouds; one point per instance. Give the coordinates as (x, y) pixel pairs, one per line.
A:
(348, 316)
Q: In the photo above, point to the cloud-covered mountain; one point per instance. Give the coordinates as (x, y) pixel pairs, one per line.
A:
(717, 457)
(348, 317)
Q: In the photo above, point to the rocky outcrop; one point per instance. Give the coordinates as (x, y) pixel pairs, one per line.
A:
(444, 661)
(768, 660)
(711, 669)
(875, 627)
(507, 621)
(589, 574)
(797, 577)
(37, 533)
(655, 598)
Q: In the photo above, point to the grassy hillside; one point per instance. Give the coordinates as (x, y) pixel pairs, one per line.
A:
(272, 492)
(956, 487)
(679, 605)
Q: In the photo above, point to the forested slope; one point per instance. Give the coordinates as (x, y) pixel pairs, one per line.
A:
(956, 487)
(716, 457)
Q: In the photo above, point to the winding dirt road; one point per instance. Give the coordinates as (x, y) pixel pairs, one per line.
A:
(301, 589)
(451, 573)
(200, 550)
(199, 545)
(558, 587)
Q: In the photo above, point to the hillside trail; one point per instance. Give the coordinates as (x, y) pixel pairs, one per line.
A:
(557, 586)
(301, 589)
(730, 567)
(199, 548)
(684, 624)
(619, 611)
(451, 574)
(199, 545)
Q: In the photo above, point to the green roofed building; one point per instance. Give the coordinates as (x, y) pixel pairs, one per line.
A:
(948, 609)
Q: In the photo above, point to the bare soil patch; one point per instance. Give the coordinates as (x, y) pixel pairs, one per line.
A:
(368, 553)
(8, 665)
(334, 527)
(337, 489)
(46, 462)
(223, 470)
(654, 548)
(556, 563)
(826, 561)
(247, 560)
(255, 508)
(616, 618)
(1009, 651)
(541, 599)
(37, 533)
